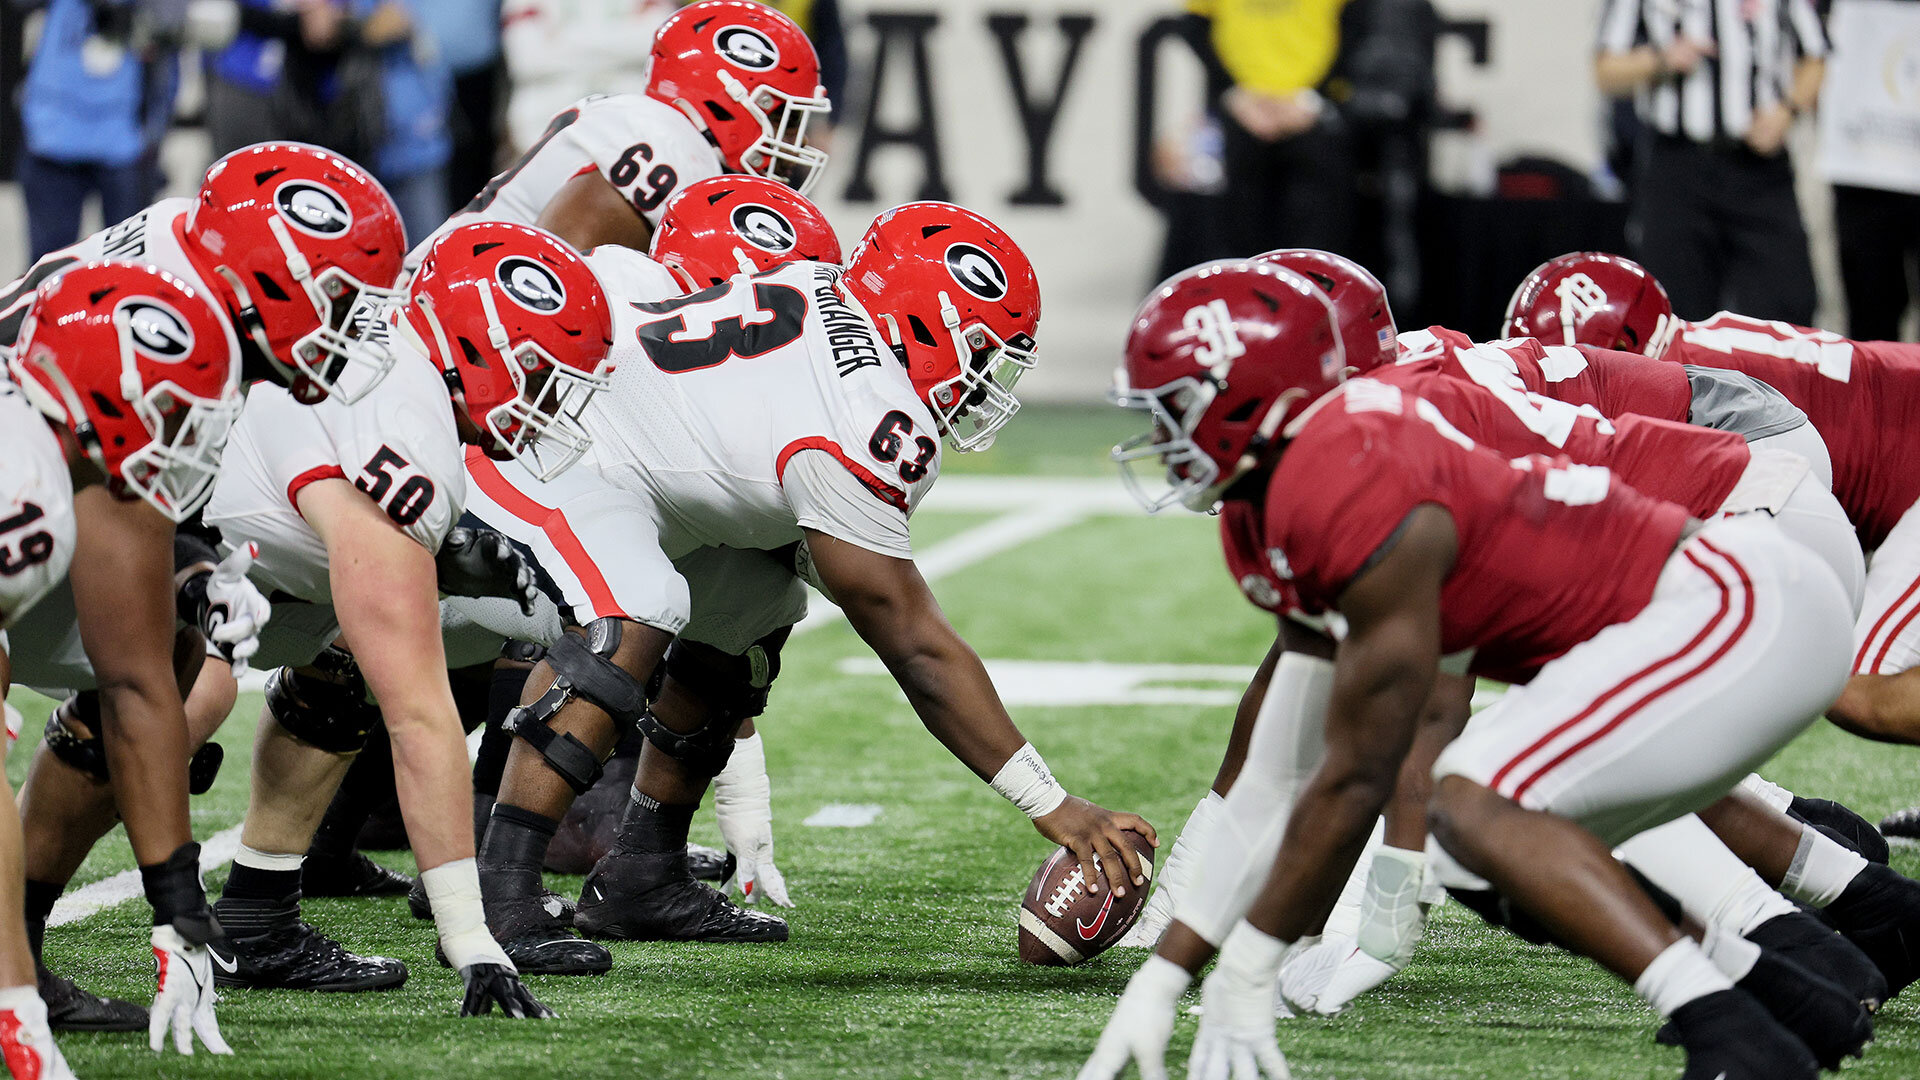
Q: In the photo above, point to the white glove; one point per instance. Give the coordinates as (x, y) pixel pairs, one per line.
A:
(236, 611)
(743, 800)
(26, 1043)
(1141, 1023)
(1236, 1040)
(184, 1000)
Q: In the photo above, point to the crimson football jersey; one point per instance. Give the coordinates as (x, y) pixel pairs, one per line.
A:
(1694, 466)
(1550, 553)
(1614, 383)
(1862, 396)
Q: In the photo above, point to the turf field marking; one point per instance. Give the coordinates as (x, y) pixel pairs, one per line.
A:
(125, 885)
(1049, 682)
(843, 816)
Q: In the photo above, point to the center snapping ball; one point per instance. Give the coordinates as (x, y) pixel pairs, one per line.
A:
(1062, 923)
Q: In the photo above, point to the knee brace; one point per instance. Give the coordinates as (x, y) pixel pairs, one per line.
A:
(82, 748)
(583, 668)
(734, 689)
(327, 709)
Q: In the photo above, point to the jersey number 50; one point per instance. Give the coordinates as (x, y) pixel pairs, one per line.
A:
(410, 499)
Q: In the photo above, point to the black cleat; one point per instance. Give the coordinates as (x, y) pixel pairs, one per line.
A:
(1826, 1017)
(1729, 1036)
(298, 957)
(653, 897)
(531, 931)
(70, 1008)
(1805, 940)
(350, 875)
(1880, 912)
(1902, 823)
(710, 864)
(1846, 828)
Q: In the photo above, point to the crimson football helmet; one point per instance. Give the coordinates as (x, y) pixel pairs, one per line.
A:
(521, 327)
(1591, 298)
(1366, 320)
(749, 77)
(143, 372)
(1224, 357)
(959, 303)
(727, 225)
(295, 238)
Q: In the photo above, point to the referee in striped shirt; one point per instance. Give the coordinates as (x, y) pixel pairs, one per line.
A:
(1718, 85)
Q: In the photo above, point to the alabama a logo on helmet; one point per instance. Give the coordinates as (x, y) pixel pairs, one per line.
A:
(313, 208)
(977, 272)
(764, 228)
(745, 47)
(531, 285)
(156, 330)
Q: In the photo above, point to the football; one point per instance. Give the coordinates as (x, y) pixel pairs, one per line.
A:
(1061, 923)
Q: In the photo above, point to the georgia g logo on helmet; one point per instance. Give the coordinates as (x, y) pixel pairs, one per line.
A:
(745, 47)
(764, 228)
(156, 329)
(531, 285)
(312, 208)
(977, 272)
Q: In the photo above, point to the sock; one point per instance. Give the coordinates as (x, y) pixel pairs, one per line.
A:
(40, 898)
(1344, 919)
(1183, 862)
(263, 892)
(516, 846)
(652, 827)
(1821, 869)
(1679, 975)
(1687, 861)
(367, 786)
(1732, 954)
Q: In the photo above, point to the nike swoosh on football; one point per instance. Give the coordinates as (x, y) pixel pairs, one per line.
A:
(228, 966)
(1087, 932)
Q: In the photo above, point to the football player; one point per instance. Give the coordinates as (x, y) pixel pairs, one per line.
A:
(1659, 679)
(136, 382)
(773, 425)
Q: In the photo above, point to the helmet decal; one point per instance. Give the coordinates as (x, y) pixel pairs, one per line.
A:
(1580, 297)
(313, 208)
(977, 272)
(745, 47)
(157, 330)
(531, 285)
(764, 228)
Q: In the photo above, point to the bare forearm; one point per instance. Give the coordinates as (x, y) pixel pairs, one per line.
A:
(431, 773)
(949, 690)
(145, 729)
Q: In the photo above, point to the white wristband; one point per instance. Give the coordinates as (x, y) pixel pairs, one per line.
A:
(1026, 782)
(454, 890)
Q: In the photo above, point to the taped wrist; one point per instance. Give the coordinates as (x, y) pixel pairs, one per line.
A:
(179, 900)
(742, 793)
(1026, 782)
(459, 917)
(1250, 958)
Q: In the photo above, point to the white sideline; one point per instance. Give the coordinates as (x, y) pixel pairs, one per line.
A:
(1035, 507)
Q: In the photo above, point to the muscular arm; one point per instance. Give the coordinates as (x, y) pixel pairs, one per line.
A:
(587, 212)
(389, 610)
(122, 581)
(1383, 673)
(1446, 713)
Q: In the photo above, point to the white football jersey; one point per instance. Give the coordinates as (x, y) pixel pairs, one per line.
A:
(36, 507)
(152, 237)
(645, 148)
(718, 394)
(398, 444)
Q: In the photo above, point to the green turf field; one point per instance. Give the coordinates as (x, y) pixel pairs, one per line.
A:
(902, 959)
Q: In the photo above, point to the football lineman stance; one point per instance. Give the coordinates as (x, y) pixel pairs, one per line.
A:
(137, 380)
(773, 425)
(1660, 659)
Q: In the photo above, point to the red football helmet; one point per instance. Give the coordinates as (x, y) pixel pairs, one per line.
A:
(142, 370)
(1591, 298)
(958, 301)
(750, 78)
(727, 225)
(294, 237)
(1223, 357)
(521, 328)
(1366, 320)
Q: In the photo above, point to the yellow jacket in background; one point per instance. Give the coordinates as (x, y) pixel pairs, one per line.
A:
(1274, 46)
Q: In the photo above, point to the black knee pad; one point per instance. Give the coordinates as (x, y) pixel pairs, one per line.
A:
(326, 708)
(583, 667)
(734, 689)
(84, 749)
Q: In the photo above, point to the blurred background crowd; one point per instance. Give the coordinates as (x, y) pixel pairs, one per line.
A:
(1758, 155)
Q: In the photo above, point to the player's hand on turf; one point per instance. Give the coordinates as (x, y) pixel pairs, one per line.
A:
(1092, 832)
(1235, 1040)
(26, 1042)
(481, 562)
(235, 611)
(499, 984)
(1141, 1024)
(743, 801)
(184, 999)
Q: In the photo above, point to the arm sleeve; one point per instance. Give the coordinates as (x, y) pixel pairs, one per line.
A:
(827, 497)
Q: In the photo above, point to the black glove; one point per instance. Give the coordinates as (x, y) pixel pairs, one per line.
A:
(481, 562)
(490, 983)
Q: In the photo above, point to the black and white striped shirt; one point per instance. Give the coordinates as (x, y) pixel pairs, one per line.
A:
(1759, 43)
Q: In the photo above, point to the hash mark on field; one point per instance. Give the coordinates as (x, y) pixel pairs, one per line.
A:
(843, 816)
(125, 885)
(1047, 682)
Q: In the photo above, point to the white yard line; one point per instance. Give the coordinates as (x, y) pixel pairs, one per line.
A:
(125, 885)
